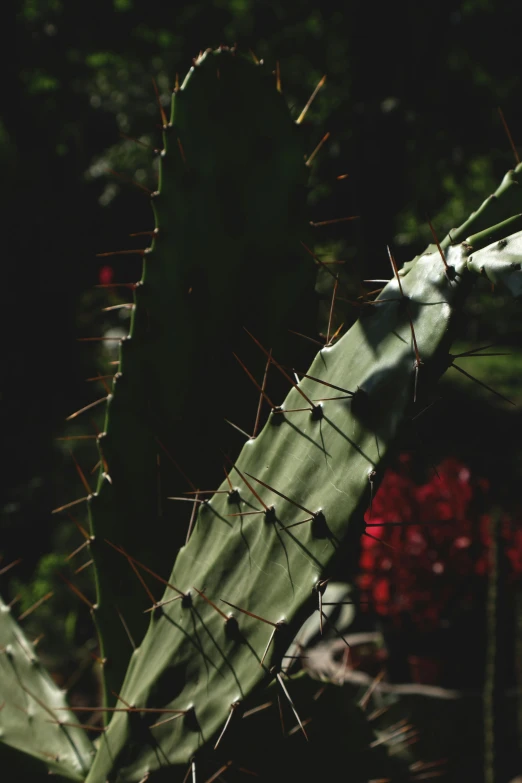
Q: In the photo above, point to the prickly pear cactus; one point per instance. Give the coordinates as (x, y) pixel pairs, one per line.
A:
(34, 717)
(264, 544)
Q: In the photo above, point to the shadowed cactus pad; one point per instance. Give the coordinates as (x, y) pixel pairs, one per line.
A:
(229, 218)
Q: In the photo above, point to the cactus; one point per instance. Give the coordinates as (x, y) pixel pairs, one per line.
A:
(265, 543)
(229, 211)
(33, 711)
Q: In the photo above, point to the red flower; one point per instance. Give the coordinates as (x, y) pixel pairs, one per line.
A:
(105, 275)
(425, 566)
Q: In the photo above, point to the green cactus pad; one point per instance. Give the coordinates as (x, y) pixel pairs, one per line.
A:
(226, 251)
(501, 262)
(33, 714)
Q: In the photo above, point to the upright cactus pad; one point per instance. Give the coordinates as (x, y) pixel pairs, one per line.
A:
(230, 210)
(225, 251)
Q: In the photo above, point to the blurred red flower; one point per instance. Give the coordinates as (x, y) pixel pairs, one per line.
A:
(105, 275)
(439, 557)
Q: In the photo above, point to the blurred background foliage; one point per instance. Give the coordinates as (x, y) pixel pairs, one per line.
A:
(410, 103)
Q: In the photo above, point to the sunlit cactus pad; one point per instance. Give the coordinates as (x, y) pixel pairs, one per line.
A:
(34, 717)
(297, 500)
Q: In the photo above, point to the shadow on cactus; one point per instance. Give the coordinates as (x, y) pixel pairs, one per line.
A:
(229, 249)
